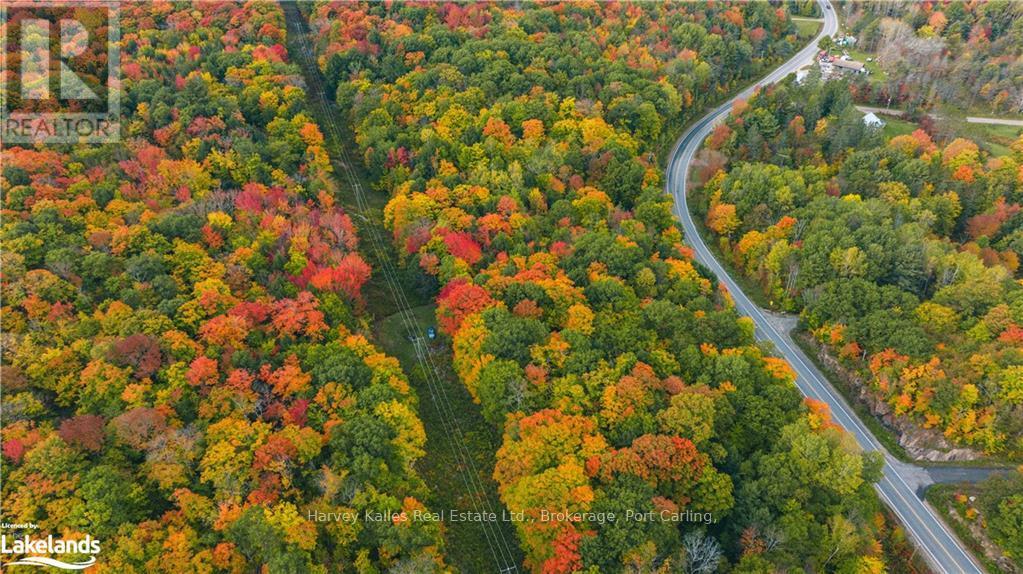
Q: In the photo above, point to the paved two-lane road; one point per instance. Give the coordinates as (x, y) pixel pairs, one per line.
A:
(943, 551)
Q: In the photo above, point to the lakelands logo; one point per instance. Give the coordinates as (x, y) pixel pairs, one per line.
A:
(27, 545)
(60, 74)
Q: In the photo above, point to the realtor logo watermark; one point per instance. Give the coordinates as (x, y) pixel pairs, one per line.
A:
(61, 71)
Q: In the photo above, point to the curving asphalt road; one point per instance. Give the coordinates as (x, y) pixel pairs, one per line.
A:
(899, 485)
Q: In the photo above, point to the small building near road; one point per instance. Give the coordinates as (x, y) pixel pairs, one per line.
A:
(872, 121)
(849, 66)
(845, 41)
(832, 67)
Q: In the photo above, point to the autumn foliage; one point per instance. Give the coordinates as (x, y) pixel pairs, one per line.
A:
(182, 375)
(525, 195)
(902, 256)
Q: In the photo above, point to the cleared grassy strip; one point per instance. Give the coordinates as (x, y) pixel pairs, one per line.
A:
(469, 546)
(466, 548)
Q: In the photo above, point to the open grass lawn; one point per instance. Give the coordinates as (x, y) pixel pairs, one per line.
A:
(994, 138)
(807, 28)
(896, 126)
(997, 138)
(877, 75)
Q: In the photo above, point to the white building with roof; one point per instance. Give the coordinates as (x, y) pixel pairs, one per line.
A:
(872, 121)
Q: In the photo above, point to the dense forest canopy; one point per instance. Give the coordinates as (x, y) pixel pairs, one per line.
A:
(191, 372)
(902, 255)
(518, 147)
(184, 377)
